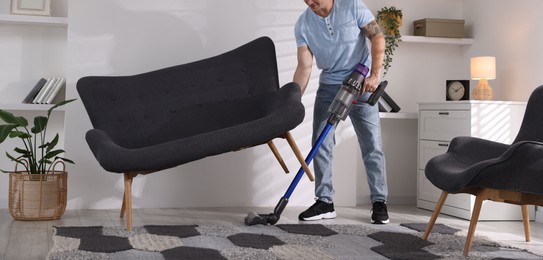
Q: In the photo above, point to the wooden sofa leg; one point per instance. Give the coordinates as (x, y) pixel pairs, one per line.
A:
(278, 156)
(127, 201)
(299, 155)
(437, 210)
(473, 223)
(526, 220)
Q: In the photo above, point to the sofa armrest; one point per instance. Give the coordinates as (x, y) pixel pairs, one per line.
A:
(104, 149)
(290, 93)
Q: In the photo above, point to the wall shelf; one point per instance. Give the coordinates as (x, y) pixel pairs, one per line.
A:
(26, 107)
(33, 20)
(399, 115)
(436, 40)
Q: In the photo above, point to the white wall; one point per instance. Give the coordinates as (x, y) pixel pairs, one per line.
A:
(511, 31)
(126, 37)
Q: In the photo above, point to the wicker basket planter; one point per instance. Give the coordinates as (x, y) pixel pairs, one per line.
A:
(37, 196)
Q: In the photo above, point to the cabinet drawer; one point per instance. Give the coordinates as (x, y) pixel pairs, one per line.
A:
(428, 192)
(429, 150)
(444, 125)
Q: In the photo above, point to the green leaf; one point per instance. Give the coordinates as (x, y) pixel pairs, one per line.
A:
(52, 144)
(8, 117)
(65, 160)
(19, 134)
(19, 160)
(40, 123)
(12, 119)
(62, 103)
(54, 153)
(45, 161)
(5, 130)
(11, 157)
(22, 151)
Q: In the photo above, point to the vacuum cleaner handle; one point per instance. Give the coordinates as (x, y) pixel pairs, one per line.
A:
(349, 92)
(377, 93)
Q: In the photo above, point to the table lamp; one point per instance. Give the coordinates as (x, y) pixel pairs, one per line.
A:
(483, 68)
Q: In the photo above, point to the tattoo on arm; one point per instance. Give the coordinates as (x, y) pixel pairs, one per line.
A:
(372, 29)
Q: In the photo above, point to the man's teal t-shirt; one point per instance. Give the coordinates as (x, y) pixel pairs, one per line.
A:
(336, 41)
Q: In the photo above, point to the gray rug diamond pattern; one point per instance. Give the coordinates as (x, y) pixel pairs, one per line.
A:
(284, 241)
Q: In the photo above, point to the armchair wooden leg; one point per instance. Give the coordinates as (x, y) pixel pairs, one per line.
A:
(437, 210)
(473, 223)
(127, 201)
(278, 156)
(299, 155)
(123, 206)
(526, 220)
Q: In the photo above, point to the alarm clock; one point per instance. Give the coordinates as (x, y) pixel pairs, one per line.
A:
(457, 90)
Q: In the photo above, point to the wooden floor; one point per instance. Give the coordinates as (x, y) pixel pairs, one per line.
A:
(32, 239)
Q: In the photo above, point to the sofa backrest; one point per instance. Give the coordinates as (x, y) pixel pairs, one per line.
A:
(152, 107)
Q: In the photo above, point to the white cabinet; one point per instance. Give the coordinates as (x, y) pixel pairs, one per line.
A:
(439, 123)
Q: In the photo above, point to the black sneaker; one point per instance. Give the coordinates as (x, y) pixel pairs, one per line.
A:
(319, 210)
(380, 213)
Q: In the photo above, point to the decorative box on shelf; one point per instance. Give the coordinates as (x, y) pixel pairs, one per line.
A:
(451, 28)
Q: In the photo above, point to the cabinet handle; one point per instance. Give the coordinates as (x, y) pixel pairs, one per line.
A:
(444, 113)
(444, 145)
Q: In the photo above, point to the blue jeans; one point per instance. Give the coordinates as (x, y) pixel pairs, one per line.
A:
(367, 125)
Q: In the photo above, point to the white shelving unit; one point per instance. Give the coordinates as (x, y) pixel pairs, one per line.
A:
(42, 26)
(32, 47)
(28, 107)
(436, 40)
(33, 20)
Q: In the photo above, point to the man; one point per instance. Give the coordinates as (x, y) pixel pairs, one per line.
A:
(341, 34)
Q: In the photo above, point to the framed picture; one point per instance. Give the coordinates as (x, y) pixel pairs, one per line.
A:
(31, 7)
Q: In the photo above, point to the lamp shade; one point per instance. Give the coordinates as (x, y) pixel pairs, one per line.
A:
(483, 67)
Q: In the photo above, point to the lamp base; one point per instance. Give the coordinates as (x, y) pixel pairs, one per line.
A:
(483, 91)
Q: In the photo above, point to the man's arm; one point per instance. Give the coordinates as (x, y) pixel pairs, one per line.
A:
(304, 67)
(375, 35)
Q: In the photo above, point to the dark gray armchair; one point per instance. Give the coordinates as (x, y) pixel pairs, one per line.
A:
(494, 171)
(161, 119)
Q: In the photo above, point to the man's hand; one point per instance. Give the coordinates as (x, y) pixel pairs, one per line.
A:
(371, 83)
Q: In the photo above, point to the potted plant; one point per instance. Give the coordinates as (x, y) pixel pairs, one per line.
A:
(38, 192)
(390, 19)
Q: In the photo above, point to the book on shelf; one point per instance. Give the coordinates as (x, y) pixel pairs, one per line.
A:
(32, 94)
(51, 94)
(45, 88)
(387, 104)
(45, 91)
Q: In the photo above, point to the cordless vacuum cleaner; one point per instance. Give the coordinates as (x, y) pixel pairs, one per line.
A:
(339, 109)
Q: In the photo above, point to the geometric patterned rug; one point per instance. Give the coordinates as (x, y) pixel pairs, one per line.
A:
(282, 241)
